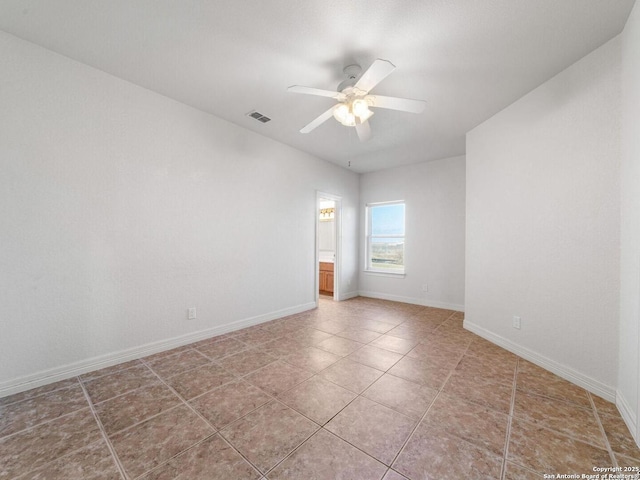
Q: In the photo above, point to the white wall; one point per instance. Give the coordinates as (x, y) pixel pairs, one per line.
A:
(120, 208)
(543, 220)
(629, 370)
(434, 193)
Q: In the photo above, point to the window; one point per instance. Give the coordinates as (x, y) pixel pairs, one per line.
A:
(385, 237)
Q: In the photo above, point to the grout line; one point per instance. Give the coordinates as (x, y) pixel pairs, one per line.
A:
(216, 431)
(406, 442)
(44, 422)
(112, 450)
(3, 406)
(439, 328)
(119, 370)
(360, 395)
(503, 470)
(602, 430)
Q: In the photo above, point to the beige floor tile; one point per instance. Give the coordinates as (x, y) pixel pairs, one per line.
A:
(166, 353)
(351, 375)
(619, 436)
(373, 428)
(281, 347)
(318, 399)
(136, 406)
(359, 334)
(229, 402)
(332, 326)
(393, 475)
(28, 413)
(563, 417)
(604, 407)
(267, 435)
(440, 355)
(256, 336)
(327, 457)
(197, 381)
(36, 392)
(502, 371)
(408, 398)
(516, 472)
(470, 422)
(93, 462)
(379, 326)
(119, 382)
(222, 348)
(312, 359)
(433, 454)
(213, 459)
(377, 358)
(339, 346)
(491, 394)
(174, 364)
(415, 332)
(33, 448)
(421, 371)
(394, 344)
(246, 361)
(546, 451)
(155, 441)
(278, 377)
(536, 380)
(624, 461)
(108, 370)
(310, 336)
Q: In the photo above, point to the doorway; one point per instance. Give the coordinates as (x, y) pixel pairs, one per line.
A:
(327, 271)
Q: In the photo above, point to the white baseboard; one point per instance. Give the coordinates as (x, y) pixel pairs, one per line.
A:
(70, 370)
(594, 386)
(425, 302)
(628, 415)
(348, 295)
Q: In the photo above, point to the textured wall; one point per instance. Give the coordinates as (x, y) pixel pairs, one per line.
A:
(629, 373)
(543, 222)
(434, 250)
(121, 208)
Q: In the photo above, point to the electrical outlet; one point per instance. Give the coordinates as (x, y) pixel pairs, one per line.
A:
(516, 322)
(192, 313)
(425, 288)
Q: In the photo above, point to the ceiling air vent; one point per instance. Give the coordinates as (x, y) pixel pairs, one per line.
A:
(258, 116)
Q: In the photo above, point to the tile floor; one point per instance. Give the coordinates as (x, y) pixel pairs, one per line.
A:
(362, 389)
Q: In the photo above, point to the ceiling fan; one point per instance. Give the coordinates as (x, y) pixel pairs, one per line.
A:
(354, 99)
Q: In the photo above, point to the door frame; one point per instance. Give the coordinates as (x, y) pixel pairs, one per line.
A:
(337, 262)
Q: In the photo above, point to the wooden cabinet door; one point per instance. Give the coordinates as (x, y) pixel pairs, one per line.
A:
(323, 281)
(329, 282)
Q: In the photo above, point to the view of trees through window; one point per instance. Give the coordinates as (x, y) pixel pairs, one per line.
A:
(385, 239)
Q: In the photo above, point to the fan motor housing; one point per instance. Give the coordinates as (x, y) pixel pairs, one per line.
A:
(352, 72)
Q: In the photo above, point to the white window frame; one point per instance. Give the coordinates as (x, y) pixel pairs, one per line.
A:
(369, 268)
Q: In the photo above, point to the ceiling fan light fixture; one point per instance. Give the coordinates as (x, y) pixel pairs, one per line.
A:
(350, 121)
(366, 116)
(340, 112)
(352, 113)
(360, 107)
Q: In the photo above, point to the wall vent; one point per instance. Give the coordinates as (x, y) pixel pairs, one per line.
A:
(258, 116)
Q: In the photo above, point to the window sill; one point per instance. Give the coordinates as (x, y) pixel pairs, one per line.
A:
(382, 273)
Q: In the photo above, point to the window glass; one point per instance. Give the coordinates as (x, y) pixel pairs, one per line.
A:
(385, 237)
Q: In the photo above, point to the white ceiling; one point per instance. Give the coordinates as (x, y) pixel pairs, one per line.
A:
(467, 59)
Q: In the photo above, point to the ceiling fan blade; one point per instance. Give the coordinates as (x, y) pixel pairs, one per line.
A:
(364, 131)
(318, 121)
(378, 71)
(316, 91)
(395, 103)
